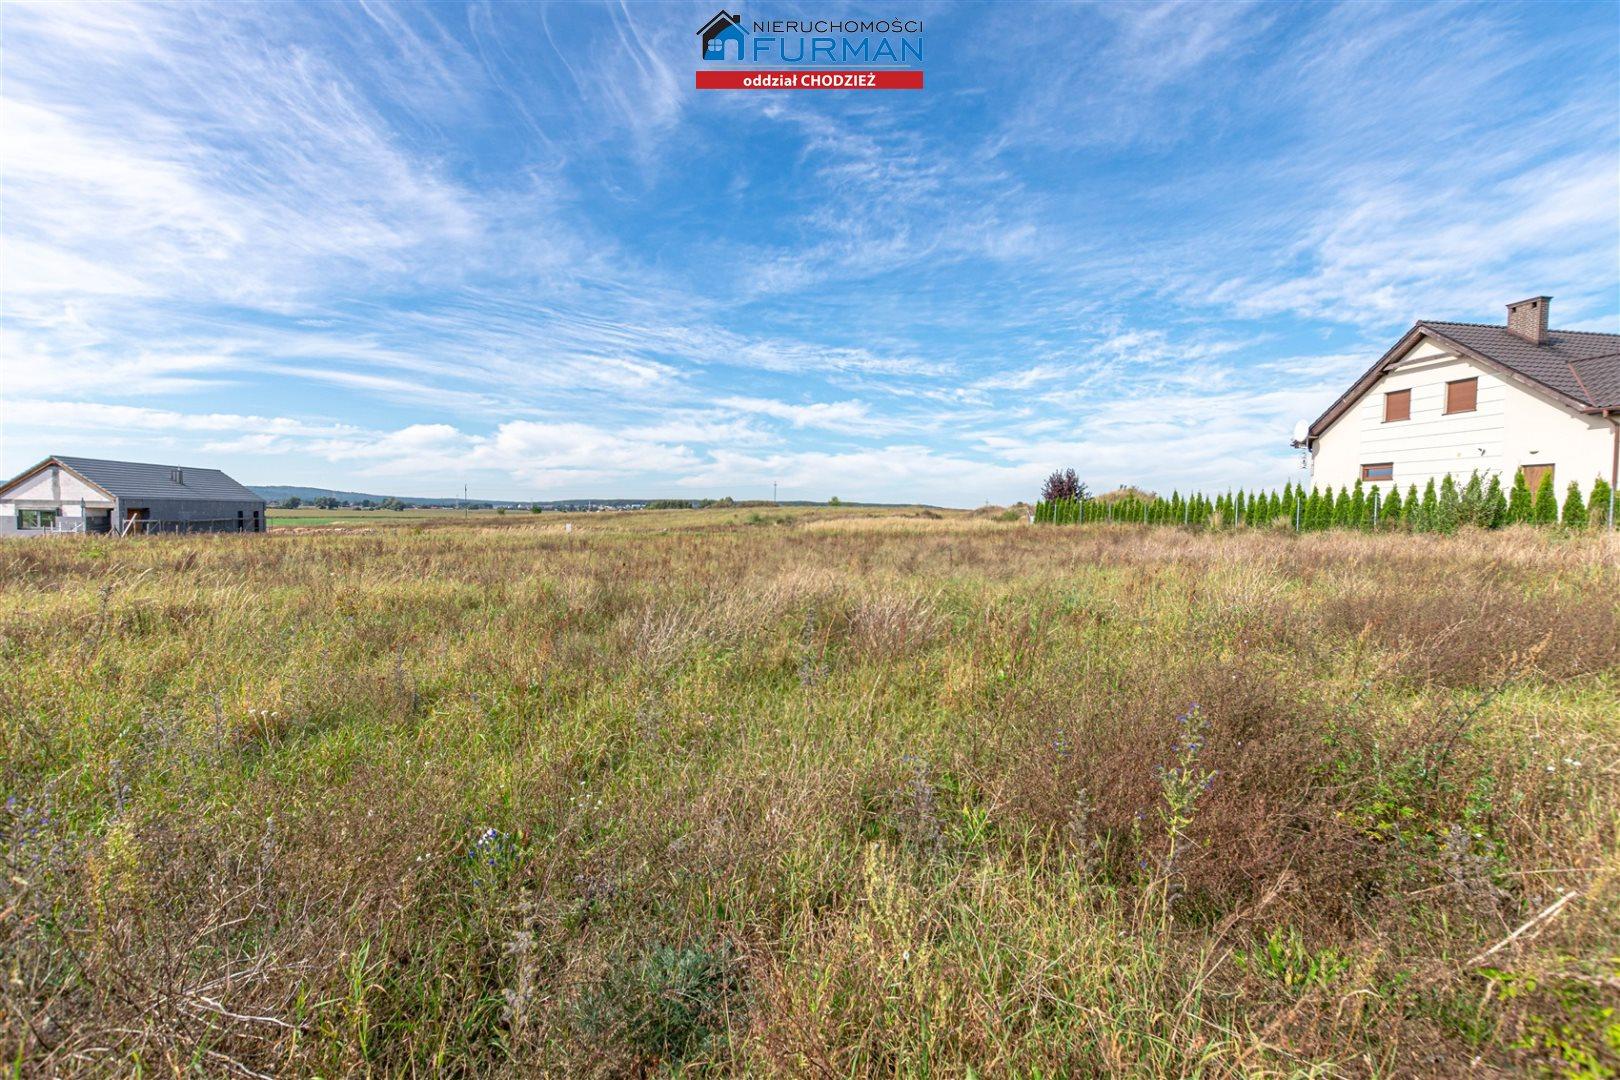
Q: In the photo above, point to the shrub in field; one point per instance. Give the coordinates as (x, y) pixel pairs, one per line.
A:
(1284, 958)
(663, 1007)
(1063, 486)
(1545, 509)
(1574, 507)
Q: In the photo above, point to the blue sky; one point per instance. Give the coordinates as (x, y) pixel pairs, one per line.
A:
(402, 248)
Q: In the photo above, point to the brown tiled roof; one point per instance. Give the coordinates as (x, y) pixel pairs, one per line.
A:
(1580, 368)
(1577, 364)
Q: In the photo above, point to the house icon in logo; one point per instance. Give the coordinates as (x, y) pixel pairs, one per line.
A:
(719, 32)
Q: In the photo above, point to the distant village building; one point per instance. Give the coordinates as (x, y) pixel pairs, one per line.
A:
(75, 494)
(1453, 398)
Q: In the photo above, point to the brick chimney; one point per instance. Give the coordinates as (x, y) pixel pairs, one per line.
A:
(1528, 319)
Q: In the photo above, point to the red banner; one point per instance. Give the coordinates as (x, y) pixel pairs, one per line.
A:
(809, 80)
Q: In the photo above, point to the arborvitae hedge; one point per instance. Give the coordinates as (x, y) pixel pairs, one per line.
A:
(1442, 507)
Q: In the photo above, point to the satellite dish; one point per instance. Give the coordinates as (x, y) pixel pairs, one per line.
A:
(1301, 430)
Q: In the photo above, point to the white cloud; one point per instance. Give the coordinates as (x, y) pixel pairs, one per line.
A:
(850, 417)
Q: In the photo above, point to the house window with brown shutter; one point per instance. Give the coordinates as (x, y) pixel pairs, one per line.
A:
(1382, 471)
(1462, 395)
(1397, 406)
(1533, 475)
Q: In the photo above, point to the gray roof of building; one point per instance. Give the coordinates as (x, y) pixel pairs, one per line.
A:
(138, 480)
(1578, 364)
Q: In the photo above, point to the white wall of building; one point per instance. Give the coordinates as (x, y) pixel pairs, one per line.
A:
(52, 488)
(1512, 426)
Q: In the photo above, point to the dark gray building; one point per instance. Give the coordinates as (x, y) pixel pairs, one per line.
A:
(75, 494)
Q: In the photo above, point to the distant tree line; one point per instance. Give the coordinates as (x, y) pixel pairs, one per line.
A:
(1442, 507)
(322, 502)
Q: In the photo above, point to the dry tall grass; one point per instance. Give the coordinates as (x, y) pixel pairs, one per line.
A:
(827, 793)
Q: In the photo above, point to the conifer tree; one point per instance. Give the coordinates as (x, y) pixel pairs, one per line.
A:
(1358, 504)
(1426, 510)
(1369, 510)
(1389, 514)
(1471, 510)
(1496, 507)
(1598, 507)
(1341, 509)
(1545, 509)
(1574, 507)
(1519, 503)
(1447, 507)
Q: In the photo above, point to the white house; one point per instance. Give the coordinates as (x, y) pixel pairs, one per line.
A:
(74, 494)
(1456, 397)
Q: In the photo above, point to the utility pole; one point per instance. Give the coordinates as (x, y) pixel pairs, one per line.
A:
(773, 491)
(463, 502)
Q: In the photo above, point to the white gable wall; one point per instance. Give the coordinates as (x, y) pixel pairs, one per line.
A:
(1513, 425)
(52, 488)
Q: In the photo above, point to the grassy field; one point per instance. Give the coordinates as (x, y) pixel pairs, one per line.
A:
(810, 792)
(281, 518)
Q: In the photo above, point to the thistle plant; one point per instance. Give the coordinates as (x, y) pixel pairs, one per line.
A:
(1182, 783)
